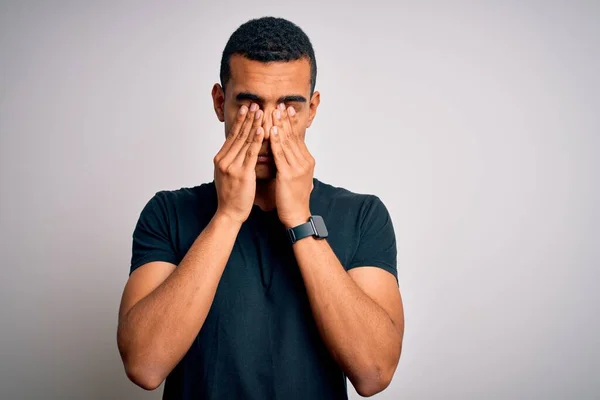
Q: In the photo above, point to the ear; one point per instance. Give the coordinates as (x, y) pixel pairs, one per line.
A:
(219, 101)
(314, 104)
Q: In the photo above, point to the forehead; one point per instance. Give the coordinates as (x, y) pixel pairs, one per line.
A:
(269, 80)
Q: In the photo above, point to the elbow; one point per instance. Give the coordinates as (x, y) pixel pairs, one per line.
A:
(137, 368)
(375, 378)
(378, 370)
(374, 382)
(143, 378)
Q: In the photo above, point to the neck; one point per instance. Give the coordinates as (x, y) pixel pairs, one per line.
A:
(265, 194)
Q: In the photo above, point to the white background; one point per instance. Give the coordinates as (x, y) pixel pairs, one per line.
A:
(476, 123)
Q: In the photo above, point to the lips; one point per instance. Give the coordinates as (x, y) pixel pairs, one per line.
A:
(265, 158)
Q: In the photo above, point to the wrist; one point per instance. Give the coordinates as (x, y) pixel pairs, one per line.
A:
(225, 219)
(295, 221)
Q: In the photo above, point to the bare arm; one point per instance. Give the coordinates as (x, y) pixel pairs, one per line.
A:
(163, 307)
(359, 314)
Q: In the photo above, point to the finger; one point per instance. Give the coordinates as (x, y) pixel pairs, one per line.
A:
(283, 137)
(251, 154)
(280, 161)
(240, 139)
(296, 142)
(267, 123)
(250, 138)
(240, 117)
(250, 122)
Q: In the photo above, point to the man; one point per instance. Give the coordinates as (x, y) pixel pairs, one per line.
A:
(265, 283)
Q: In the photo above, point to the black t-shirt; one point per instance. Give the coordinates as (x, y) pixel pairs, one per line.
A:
(259, 340)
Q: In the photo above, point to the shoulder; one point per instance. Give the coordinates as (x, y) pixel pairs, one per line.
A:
(203, 194)
(181, 203)
(336, 196)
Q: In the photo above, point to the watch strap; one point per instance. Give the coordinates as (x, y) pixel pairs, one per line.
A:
(314, 227)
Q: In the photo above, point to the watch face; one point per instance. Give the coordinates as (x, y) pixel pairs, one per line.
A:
(319, 225)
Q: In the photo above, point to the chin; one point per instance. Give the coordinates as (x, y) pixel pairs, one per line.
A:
(265, 172)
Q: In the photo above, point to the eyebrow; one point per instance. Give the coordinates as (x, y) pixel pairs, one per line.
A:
(294, 98)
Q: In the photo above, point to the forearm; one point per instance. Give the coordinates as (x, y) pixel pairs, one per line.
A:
(360, 335)
(158, 330)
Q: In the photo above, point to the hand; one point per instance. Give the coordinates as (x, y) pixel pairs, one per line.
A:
(295, 169)
(235, 163)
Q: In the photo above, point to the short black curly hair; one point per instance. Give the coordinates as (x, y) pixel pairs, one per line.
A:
(269, 39)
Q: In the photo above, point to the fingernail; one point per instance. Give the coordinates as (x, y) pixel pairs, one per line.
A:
(277, 114)
(259, 131)
(243, 110)
(291, 111)
(258, 114)
(281, 106)
(253, 107)
(274, 130)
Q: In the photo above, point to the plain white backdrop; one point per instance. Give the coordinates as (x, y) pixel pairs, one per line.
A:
(477, 123)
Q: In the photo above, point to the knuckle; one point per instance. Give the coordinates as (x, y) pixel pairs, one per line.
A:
(231, 170)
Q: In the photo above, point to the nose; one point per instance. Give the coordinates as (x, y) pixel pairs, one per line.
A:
(268, 120)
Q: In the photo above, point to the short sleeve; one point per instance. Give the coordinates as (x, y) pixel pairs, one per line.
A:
(151, 236)
(377, 240)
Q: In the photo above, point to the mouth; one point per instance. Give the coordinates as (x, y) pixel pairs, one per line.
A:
(265, 159)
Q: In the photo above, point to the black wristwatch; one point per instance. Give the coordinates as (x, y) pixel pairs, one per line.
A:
(314, 227)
